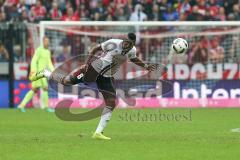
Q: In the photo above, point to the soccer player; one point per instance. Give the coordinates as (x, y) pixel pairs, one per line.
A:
(41, 60)
(101, 70)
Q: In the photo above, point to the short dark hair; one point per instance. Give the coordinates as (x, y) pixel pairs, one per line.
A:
(132, 37)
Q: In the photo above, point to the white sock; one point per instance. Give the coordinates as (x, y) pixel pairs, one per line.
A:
(106, 115)
(47, 74)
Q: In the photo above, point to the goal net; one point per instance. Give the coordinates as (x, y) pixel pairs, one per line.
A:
(211, 46)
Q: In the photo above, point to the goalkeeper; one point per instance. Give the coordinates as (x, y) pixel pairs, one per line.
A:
(41, 60)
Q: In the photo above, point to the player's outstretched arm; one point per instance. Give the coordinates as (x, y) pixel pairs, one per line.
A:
(137, 61)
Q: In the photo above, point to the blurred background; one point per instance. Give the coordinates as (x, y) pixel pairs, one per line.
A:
(212, 59)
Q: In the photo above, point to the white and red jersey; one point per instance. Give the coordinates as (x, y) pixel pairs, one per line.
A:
(11, 2)
(121, 2)
(70, 18)
(214, 10)
(55, 14)
(112, 57)
(38, 11)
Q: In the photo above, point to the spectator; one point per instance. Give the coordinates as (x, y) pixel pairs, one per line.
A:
(228, 5)
(170, 14)
(199, 52)
(48, 17)
(77, 46)
(155, 16)
(96, 8)
(22, 7)
(147, 7)
(47, 4)
(234, 50)
(4, 56)
(220, 3)
(121, 3)
(120, 16)
(70, 16)
(84, 3)
(202, 7)
(109, 17)
(68, 4)
(105, 3)
(65, 55)
(221, 16)
(24, 17)
(13, 13)
(213, 9)
(216, 53)
(194, 16)
(17, 53)
(10, 3)
(231, 17)
(61, 5)
(162, 8)
(80, 11)
(55, 13)
(138, 14)
(29, 49)
(96, 17)
(2, 16)
(208, 16)
(184, 7)
(110, 10)
(84, 16)
(236, 12)
(182, 17)
(1, 6)
(38, 12)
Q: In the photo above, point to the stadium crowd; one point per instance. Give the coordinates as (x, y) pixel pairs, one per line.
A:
(118, 10)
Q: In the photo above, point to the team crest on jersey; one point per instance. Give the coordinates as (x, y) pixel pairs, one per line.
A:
(110, 46)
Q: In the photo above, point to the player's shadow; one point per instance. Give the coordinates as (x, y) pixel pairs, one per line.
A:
(63, 112)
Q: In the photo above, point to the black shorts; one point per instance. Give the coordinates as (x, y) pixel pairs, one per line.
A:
(104, 84)
(106, 87)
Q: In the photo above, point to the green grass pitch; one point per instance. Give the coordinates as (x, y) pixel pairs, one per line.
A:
(206, 135)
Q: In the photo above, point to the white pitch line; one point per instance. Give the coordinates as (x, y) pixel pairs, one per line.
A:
(235, 130)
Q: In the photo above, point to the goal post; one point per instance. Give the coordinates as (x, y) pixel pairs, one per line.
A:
(44, 24)
(149, 34)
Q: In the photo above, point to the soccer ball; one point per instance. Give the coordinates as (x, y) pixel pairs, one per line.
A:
(180, 46)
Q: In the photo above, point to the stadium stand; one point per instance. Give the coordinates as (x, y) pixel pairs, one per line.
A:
(117, 10)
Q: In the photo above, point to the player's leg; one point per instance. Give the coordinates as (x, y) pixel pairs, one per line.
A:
(106, 87)
(27, 98)
(44, 95)
(73, 78)
(79, 75)
(45, 100)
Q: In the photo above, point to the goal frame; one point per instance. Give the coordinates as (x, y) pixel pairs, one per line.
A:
(43, 24)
